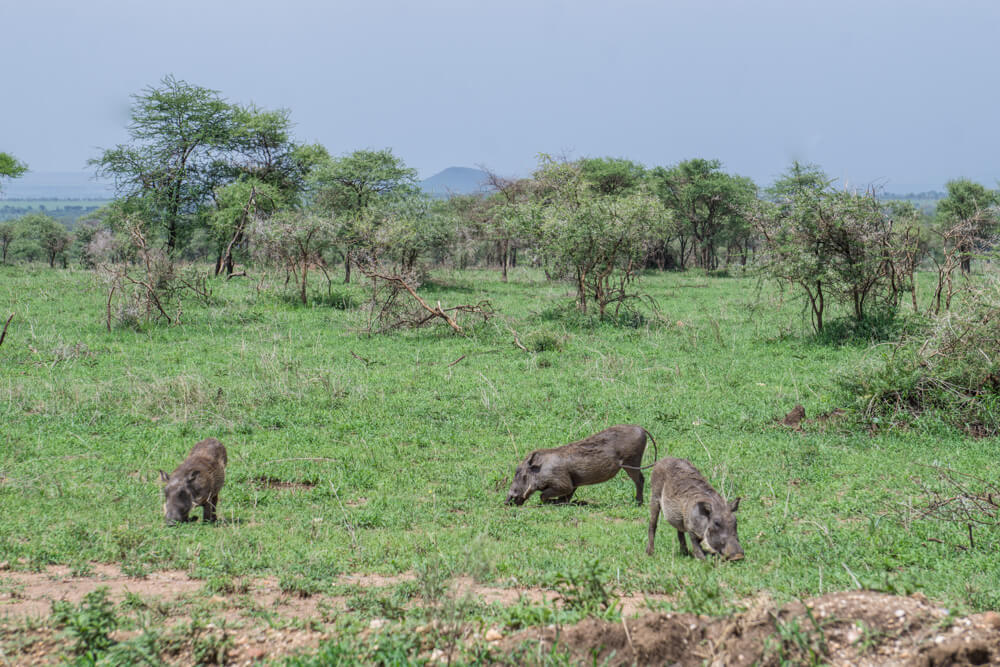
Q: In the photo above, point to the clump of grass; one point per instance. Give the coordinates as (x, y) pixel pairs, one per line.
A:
(90, 624)
(952, 370)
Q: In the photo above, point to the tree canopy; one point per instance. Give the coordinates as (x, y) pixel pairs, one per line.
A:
(10, 167)
(185, 142)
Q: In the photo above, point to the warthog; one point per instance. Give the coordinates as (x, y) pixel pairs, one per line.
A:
(691, 505)
(556, 473)
(196, 481)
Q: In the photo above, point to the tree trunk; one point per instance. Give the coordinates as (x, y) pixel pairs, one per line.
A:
(504, 259)
(347, 268)
(305, 270)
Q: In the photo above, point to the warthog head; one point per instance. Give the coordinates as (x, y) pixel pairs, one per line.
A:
(524, 481)
(178, 496)
(715, 523)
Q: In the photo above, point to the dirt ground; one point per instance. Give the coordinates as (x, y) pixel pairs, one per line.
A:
(261, 622)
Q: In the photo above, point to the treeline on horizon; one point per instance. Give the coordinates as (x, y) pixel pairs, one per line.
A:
(206, 180)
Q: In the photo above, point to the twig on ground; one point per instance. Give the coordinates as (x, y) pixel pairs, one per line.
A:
(3, 334)
(366, 362)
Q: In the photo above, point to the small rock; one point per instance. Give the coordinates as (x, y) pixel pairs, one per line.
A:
(493, 635)
(900, 613)
(377, 623)
(5, 565)
(992, 618)
(437, 655)
(853, 636)
(422, 629)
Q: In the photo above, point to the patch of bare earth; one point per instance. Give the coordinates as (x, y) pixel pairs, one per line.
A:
(848, 628)
(256, 620)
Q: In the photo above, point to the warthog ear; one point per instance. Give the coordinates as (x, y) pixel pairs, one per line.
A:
(700, 517)
(193, 475)
(735, 505)
(164, 477)
(532, 466)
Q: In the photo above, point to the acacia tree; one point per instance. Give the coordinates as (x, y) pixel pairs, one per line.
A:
(10, 167)
(707, 204)
(612, 176)
(186, 142)
(970, 207)
(50, 235)
(502, 222)
(9, 231)
(178, 131)
(237, 204)
(843, 245)
(296, 240)
(350, 185)
(597, 241)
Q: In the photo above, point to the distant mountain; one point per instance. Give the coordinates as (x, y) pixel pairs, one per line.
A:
(455, 181)
(56, 185)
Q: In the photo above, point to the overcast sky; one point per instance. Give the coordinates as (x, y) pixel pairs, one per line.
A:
(900, 93)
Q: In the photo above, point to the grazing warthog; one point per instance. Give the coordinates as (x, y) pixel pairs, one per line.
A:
(195, 482)
(691, 505)
(555, 473)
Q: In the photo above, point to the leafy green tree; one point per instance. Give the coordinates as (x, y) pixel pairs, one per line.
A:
(708, 206)
(969, 208)
(261, 147)
(296, 240)
(11, 167)
(499, 219)
(178, 134)
(612, 176)
(799, 177)
(9, 231)
(186, 142)
(51, 236)
(844, 246)
(237, 204)
(597, 241)
(351, 185)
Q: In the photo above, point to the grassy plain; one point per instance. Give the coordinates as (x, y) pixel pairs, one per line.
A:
(405, 443)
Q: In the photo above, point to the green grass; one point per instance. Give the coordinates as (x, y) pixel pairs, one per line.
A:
(408, 458)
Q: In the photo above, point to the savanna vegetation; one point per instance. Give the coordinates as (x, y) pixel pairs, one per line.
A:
(378, 363)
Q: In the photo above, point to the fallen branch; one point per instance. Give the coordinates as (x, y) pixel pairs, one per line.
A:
(3, 334)
(366, 362)
(456, 361)
(388, 313)
(399, 282)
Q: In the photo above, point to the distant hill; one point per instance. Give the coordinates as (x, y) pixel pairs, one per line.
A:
(56, 185)
(455, 181)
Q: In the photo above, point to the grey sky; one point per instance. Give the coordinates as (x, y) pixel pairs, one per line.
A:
(901, 93)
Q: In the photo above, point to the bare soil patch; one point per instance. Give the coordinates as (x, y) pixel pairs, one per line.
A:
(847, 628)
(267, 482)
(257, 620)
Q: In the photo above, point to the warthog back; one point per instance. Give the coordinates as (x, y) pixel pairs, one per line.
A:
(195, 482)
(692, 506)
(556, 473)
